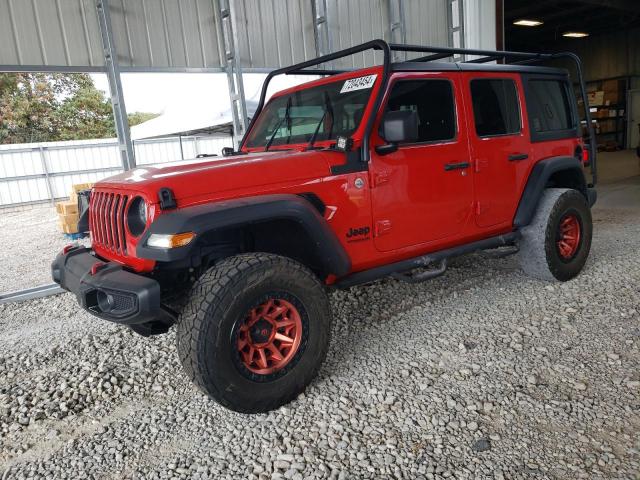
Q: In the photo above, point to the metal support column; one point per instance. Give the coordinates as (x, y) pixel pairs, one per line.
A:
(225, 16)
(455, 20)
(47, 178)
(321, 27)
(397, 28)
(115, 86)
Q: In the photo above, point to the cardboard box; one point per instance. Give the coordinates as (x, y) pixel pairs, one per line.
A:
(612, 97)
(611, 85)
(72, 228)
(68, 219)
(596, 98)
(67, 207)
(78, 187)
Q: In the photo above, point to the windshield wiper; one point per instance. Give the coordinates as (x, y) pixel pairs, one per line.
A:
(287, 118)
(328, 109)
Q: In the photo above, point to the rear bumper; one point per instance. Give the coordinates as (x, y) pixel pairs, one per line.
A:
(108, 291)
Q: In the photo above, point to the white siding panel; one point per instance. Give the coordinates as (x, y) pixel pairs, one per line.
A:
(83, 161)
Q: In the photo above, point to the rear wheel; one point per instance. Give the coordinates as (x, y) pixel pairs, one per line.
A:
(255, 331)
(556, 244)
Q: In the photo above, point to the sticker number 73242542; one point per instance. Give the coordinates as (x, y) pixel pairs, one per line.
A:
(359, 83)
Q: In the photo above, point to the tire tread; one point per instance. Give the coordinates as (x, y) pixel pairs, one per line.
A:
(208, 298)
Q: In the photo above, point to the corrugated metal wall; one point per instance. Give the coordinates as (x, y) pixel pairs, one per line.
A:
(173, 34)
(357, 21)
(275, 33)
(37, 172)
(427, 22)
(606, 56)
(166, 33)
(354, 22)
(48, 32)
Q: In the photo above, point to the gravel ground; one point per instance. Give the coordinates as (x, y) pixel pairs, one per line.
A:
(481, 373)
(30, 238)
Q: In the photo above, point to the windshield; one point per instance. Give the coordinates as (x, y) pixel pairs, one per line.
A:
(326, 111)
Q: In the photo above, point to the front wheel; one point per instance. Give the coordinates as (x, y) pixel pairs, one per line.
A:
(556, 244)
(255, 331)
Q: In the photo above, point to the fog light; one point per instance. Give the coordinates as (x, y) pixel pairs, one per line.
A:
(170, 241)
(106, 301)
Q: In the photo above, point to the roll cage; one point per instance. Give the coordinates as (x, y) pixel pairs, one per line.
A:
(358, 161)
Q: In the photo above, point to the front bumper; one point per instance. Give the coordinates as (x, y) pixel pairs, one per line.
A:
(107, 290)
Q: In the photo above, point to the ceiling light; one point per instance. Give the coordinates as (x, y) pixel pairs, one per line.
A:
(528, 23)
(575, 34)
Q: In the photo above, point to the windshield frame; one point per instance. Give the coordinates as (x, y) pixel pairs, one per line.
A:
(356, 135)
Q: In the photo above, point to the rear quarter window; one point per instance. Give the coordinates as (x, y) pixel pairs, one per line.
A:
(551, 109)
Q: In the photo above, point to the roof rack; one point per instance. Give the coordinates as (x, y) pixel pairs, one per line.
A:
(434, 53)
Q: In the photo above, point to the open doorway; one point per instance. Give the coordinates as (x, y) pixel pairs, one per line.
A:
(604, 35)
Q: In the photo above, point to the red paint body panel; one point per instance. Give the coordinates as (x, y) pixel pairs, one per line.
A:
(498, 182)
(410, 204)
(414, 197)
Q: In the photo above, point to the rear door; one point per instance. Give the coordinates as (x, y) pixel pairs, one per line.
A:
(500, 146)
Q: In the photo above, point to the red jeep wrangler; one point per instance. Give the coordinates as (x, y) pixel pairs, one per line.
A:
(388, 170)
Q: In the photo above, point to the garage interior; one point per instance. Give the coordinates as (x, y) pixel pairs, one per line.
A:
(605, 34)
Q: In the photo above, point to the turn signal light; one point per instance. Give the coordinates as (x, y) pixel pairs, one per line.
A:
(170, 241)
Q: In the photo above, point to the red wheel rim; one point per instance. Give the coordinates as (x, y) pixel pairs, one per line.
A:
(569, 236)
(269, 336)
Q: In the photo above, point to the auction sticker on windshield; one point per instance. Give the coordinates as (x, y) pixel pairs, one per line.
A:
(359, 83)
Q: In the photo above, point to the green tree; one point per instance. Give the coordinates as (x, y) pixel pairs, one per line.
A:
(136, 118)
(84, 112)
(43, 107)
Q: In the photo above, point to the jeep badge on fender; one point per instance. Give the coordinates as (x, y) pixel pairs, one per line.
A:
(358, 232)
(237, 253)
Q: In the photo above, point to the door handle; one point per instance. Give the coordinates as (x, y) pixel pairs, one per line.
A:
(516, 157)
(456, 166)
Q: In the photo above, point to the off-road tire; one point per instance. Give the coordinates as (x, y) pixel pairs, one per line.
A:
(221, 298)
(539, 255)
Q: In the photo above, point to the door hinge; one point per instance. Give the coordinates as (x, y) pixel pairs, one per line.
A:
(381, 177)
(480, 164)
(481, 208)
(382, 227)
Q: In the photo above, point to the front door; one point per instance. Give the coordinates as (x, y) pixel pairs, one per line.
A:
(499, 145)
(423, 191)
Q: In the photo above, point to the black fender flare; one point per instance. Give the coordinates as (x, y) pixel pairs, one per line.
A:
(239, 212)
(538, 179)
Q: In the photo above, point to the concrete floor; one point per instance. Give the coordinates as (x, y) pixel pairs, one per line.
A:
(616, 166)
(622, 195)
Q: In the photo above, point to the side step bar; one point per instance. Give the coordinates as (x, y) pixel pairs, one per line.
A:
(422, 276)
(423, 261)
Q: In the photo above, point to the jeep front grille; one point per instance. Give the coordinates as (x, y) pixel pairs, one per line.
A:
(106, 220)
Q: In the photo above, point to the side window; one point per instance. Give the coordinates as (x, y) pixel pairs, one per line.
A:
(495, 107)
(434, 103)
(549, 107)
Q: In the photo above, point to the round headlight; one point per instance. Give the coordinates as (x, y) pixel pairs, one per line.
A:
(137, 216)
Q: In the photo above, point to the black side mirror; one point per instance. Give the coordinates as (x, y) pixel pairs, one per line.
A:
(399, 126)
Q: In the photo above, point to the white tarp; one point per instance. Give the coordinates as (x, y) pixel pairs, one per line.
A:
(209, 109)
